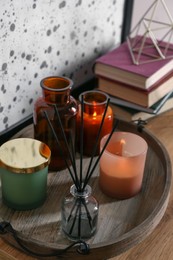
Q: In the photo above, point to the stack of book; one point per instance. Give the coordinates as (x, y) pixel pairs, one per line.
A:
(136, 91)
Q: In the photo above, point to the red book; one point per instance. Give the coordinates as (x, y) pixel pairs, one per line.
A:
(118, 65)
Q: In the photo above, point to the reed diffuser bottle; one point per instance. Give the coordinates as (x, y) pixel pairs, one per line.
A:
(79, 214)
(79, 211)
(56, 95)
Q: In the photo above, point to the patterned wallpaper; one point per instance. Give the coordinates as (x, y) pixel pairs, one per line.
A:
(40, 38)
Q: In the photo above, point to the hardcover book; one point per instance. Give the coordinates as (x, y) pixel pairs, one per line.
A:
(129, 114)
(118, 65)
(142, 97)
(154, 109)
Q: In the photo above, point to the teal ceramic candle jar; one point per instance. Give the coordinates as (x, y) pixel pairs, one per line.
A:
(24, 168)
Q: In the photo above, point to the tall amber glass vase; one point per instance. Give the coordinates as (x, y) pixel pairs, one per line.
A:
(56, 91)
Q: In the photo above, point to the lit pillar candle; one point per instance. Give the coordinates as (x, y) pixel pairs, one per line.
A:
(122, 165)
(94, 107)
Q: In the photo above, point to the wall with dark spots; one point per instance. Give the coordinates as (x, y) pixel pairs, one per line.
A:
(43, 38)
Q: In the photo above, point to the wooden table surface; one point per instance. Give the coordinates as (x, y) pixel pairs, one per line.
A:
(159, 244)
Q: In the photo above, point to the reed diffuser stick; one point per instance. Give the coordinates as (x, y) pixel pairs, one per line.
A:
(80, 221)
(96, 144)
(97, 160)
(61, 150)
(64, 136)
(88, 215)
(75, 219)
(71, 212)
(81, 141)
(72, 158)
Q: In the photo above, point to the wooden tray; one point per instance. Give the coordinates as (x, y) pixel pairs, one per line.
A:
(122, 223)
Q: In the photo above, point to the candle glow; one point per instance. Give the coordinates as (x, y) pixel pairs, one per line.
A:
(94, 107)
(122, 165)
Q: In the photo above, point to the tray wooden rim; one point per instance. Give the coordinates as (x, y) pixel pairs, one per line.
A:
(140, 232)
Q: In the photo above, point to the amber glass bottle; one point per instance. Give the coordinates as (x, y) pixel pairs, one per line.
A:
(56, 92)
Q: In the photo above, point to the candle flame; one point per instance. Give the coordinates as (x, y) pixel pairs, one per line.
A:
(94, 114)
(122, 141)
(94, 106)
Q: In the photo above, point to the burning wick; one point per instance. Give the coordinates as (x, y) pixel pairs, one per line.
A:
(94, 115)
(119, 147)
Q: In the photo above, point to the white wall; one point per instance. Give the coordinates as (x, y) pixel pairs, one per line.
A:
(43, 38)
(141, 6)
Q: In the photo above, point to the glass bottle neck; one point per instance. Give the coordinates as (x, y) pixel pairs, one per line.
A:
(84, 194)
(56, 90)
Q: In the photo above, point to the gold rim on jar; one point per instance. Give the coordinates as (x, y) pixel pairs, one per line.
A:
(24, 155)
